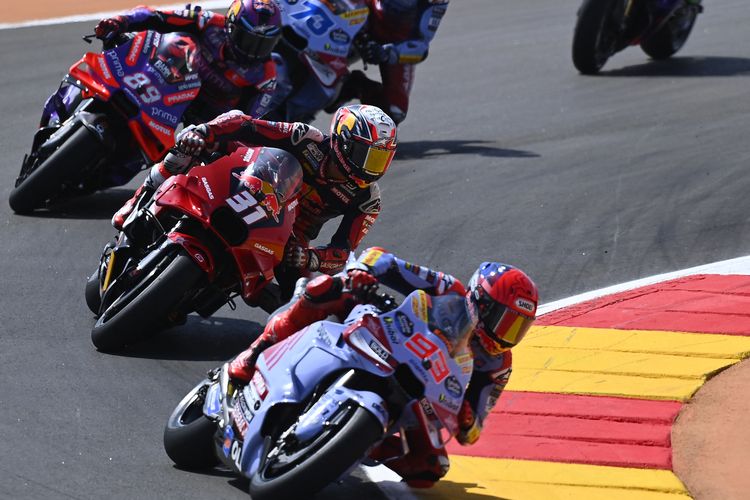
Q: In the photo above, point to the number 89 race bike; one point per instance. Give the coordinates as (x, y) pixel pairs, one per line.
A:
(114, 113)
(320, 400)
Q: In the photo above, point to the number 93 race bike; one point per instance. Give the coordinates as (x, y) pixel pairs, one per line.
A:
(605, 27)
(201, 239)
(114, 113)
(320, 400)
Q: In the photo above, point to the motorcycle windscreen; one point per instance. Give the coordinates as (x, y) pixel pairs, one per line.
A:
(280, 169)
(173, 58)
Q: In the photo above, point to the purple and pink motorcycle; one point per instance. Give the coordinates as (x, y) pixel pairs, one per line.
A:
(114, 113)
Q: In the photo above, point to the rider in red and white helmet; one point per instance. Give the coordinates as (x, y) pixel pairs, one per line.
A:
(499, 306)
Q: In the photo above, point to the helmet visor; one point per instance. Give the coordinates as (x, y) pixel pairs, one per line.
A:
(370, 160)
(255, 42)
(504, 325)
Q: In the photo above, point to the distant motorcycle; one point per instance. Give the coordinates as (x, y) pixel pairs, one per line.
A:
(322, 398)
(605, 27)
(204, 237)
(114, 113)
(313, 55)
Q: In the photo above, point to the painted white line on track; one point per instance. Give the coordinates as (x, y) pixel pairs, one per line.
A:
(389, 483)
(211, 4)
(740, 265)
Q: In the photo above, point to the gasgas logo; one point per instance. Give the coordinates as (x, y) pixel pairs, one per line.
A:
(208, 188)
(263, 248)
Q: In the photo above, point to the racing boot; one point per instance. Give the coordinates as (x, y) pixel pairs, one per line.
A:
(174, 162)
(118, 220)
(242, 368)
(422, 466)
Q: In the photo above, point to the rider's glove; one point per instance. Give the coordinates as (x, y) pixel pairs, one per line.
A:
(111, 27)
(176, 162)
(361, 284)
(299, 257)
(326, 259)
(374, 53)
(468, 425)
(194, 139)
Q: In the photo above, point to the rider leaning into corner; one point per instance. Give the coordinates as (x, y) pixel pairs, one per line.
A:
(340, 174)
(234, 61)
(400, 33)
(499, 305)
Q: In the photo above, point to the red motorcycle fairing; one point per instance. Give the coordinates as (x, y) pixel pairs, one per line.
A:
(196, 250)
(212, 191)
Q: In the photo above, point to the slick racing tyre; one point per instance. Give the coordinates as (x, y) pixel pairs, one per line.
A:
(299, 470)
(596, 34)
(145, 305)
(93, 297)
(189, 434)
(672, 36)
(81, 150)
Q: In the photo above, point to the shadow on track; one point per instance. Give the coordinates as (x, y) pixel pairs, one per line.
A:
(425, 149)
(448, 490)
(99, 205)
(687, 66)
(212, 339)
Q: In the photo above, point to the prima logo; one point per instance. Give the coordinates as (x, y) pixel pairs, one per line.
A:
(163, 115)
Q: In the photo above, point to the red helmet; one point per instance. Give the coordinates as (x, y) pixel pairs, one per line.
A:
(253, 28)
(506, 300)
(363, 139)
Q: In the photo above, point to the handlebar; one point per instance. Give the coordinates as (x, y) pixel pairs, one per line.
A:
(383, 301)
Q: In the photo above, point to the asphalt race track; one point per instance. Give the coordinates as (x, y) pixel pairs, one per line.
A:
(507, 154)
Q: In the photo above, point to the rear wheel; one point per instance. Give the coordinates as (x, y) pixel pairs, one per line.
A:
(673, 35)
(299, 470)
(596, 34)
(81, 150)
(189, 434)
(146, 305)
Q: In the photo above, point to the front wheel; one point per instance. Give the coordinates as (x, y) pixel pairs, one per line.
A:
(81, 150)
(146, 305)
(189, 434)
(299, 470)
(672, 36)
(596, 34)
(92, 293)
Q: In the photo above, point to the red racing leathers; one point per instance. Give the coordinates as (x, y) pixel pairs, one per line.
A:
(225, 83)
(321, 198)
(323, 296)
